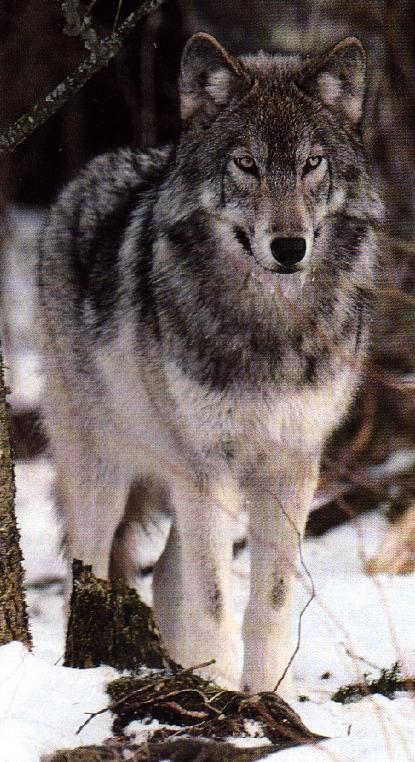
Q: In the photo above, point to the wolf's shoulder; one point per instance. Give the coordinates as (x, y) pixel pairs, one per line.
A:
(106, 183)
(82, 238)
(94, 209)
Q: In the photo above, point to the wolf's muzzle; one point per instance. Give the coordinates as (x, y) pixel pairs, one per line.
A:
(288, 252)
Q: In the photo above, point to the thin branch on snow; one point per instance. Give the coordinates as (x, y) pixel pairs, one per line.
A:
(129, 696)
(105, 50)
(307, 603)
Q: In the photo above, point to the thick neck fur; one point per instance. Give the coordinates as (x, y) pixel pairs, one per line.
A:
(229, 323)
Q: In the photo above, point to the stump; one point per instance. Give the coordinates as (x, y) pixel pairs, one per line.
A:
(109, 624)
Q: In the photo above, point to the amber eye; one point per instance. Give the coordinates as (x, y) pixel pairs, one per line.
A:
(312, 163)
(246, 164)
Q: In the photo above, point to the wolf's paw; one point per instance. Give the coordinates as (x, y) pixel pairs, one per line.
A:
(259, 683)
(224, 675)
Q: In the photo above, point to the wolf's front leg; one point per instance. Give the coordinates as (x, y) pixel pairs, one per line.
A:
(279, 502)
(192, 581)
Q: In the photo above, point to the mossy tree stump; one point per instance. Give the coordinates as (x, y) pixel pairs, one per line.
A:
(109, 624)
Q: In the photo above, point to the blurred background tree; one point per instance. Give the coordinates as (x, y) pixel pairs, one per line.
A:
(133, 100)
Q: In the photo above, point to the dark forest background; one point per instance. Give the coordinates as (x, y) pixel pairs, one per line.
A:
(134, 101)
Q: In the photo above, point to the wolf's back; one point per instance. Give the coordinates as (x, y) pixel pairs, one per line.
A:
(79, 263)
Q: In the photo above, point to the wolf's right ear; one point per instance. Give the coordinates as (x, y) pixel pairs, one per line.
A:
(209, 78)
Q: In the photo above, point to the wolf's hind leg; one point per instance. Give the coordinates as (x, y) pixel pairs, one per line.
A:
(91, 497)
(167, 590)
(146, 505)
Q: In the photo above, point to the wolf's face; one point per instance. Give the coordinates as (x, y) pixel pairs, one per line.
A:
(271, 146)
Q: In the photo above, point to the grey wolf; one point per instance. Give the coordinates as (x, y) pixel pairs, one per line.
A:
(204, 320)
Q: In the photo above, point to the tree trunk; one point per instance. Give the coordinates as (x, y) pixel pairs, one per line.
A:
(13, 614)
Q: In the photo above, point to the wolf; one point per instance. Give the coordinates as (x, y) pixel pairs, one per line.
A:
(205, 315)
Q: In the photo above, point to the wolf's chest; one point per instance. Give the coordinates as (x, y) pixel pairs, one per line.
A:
(233, 423)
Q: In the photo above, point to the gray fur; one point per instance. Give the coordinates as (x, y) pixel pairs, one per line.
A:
(179, 356)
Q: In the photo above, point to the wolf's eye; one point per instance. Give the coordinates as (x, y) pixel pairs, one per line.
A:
(246, 164)
(312, 163)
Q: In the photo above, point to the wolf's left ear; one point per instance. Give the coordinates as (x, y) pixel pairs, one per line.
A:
(338, 79)
(209, 78)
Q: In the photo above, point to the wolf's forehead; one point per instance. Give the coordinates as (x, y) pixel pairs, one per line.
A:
(274, 77)
(278, 123)
(276, 102)
(272, 65)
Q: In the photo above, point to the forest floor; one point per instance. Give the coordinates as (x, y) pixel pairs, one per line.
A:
(355, 624)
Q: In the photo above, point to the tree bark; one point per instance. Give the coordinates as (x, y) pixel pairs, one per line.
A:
(13, 614)
(109, 624)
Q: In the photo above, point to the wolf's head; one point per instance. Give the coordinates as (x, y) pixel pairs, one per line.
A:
(271, 148)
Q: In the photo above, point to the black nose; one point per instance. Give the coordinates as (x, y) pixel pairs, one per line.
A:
(288, 251)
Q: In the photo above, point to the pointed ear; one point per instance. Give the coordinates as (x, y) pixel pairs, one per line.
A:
(209, 79)
(338, 79)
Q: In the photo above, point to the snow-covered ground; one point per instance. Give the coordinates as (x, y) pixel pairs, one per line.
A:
(355, 623)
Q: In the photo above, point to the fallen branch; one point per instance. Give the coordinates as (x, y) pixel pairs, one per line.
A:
(182, 750)
(201, 708)
(130, 696)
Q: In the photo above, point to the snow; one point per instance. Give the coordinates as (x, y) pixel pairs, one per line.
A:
(353, 617)
(354, 625)
(375, 729)
(42, 706)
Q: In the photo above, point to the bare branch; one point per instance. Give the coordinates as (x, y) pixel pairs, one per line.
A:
(307, 603)
(80, 25)
(117, 15)
(105, 50)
